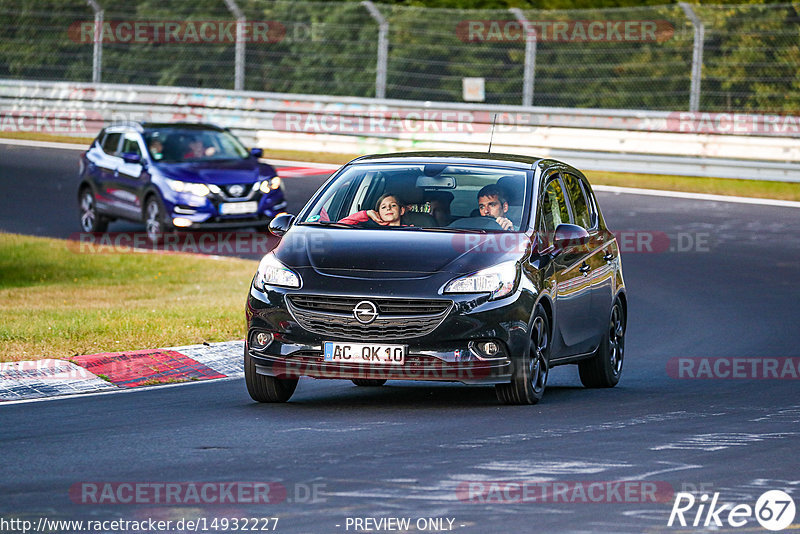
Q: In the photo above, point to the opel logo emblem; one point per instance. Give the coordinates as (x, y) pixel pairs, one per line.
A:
(365, 312)
(236, 190)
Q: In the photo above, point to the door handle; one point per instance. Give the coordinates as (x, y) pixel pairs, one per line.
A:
(608, 256)
(584, 268)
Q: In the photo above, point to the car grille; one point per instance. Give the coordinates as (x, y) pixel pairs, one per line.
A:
(238, 190)
(397, 318)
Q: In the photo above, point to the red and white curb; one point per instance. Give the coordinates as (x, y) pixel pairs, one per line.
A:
(120, 370)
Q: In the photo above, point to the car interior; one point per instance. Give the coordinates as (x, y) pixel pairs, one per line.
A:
(446, 199)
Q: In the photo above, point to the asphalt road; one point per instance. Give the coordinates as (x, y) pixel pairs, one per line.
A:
(726, 286)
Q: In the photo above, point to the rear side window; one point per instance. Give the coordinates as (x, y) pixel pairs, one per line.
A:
(578, 200)
(110, 143)
(131, 145)
(554, 207)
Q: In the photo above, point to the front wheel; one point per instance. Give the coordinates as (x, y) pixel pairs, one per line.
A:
(266, 388)
(154, 220)
(530, 372)
(604, 369)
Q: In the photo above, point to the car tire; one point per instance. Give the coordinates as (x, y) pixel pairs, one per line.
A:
(266, 388)
(91, 220)
(604, 369)
(154, 220)
(369, 382)
(530, 372)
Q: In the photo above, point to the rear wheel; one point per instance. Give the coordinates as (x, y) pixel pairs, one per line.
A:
(91, 220)
(604, 368)
(369, 382)
(530, 372)
(266, 388)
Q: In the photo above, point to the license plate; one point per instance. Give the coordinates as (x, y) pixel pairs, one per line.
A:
(365, 353)
(238, 208)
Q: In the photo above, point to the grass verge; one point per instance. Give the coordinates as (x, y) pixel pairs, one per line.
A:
(58, 303)
(35, 136)
(688, 184)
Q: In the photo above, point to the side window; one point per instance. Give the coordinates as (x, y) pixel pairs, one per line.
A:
(131, 144)
(554, 207)
(578, 200)
(110, 143)
(593, 209)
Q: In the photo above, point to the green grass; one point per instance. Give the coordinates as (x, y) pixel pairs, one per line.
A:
(716, 186)
(689, 184)
(35, 136)
(59, 303)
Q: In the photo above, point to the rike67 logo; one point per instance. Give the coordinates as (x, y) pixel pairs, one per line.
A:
(774, 510)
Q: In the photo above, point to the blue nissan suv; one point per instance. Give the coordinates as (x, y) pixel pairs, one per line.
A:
(175, 176)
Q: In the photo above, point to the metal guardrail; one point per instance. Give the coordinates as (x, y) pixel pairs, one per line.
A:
(743, 146)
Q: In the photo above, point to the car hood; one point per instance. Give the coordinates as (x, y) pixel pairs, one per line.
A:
(384, 253)
(221, 172)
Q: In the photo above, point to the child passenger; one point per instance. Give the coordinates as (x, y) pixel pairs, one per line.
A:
(388, 211)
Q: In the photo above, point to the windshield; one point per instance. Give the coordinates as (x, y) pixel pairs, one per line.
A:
(176, 145)
(432, 196)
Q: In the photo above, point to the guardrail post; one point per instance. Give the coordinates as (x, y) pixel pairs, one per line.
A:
(383, 48)
(97, 52)
(697, 55)
(241, 20)
(530, 56)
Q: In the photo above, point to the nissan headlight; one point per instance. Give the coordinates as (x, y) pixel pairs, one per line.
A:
(270, 184)
(498, 280)
(271, 272)
(200, 190)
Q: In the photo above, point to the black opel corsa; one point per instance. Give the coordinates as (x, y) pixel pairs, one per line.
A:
(466, 267)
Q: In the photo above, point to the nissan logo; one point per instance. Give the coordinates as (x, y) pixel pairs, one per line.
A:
(236, 190)
(365, 312)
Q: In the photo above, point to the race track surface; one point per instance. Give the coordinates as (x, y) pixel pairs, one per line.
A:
(725, 285)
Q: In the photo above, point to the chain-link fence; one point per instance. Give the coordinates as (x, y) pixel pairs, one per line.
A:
(715, 58)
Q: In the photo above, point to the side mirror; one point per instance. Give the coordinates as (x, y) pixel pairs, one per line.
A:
(131, 157)
(280, 224)
(256, 152)
(570, 235)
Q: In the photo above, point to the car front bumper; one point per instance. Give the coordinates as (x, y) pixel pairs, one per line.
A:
(449, 353)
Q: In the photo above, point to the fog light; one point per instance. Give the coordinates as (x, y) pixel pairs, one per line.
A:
(262, 340)
(489, 348)
(181, 222)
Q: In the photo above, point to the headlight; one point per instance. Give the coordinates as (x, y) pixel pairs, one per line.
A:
(271, 272)
(270, 184)
(498, 280)
(192, 188)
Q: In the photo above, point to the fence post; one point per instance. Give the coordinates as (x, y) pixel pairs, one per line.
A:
(383, 48)
(238, 83)
(97, 52)
(530, 56)
(697, 55)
